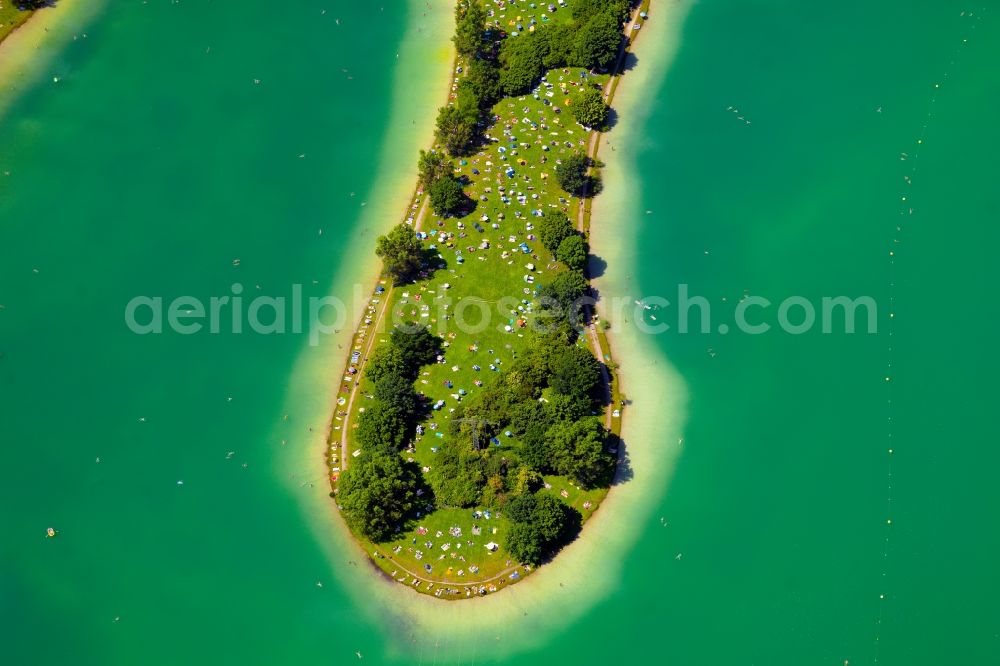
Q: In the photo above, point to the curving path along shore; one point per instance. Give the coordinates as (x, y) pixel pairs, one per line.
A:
(583, 211)
(372, 330)
(367, 347)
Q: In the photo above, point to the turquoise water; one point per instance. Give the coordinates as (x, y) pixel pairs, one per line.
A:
(779, 503)
(152, 165)
(156, 161)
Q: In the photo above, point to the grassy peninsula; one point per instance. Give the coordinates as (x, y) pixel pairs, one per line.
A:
(477, 422)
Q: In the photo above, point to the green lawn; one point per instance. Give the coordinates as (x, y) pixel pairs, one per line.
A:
(521, 11)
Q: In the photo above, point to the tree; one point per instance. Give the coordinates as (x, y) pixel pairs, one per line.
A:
(564, 294)
(521, 508)
(524, 542)
(521, 61)
(484, 415)
(418, 345)
(432, 166)
(396, 392)
(482, 80)
(534, 450)
(575, 372)
(447, 196)
(539, 523)
(589, 109)
(525, 481)
(456, 129)
(572, 251)
(578, 451)
(572, 173)
(401, 253)
(598, 41)
(381, 426)
(470, 23)
(386, 360)
(558, 42)
(457, 477)
(376, 493)
(564, 407)
(553, 228)
(529, 372)
(549, 517)
(584, 10)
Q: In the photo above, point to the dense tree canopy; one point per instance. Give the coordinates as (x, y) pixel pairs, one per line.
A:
(521, 508)
(470, 22)
(482, 80)
(553, 228)
(456, 129)
(598, 41)
(557, 44)
(381, 426)
(432, 166)
(572, 173)
(589, 109)
(525, 480)
(386, 360)
(575, 372)
(401, 253)
(524, 542)
(567, 407)
(549, 516)
(577, 450)
(564, 295)
(540, 523)
(572, 251)
(376, 493)
(418, 345)
(584, 10)
(528, 373)
(397, 392)
(457, 478)
(521, 60)
(447, 196)
(368, 485)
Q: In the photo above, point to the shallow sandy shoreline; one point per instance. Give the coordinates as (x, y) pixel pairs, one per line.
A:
(30, 49)
(547, 600)
(422, 83)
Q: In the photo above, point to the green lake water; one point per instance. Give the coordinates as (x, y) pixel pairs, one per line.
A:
(157, 160)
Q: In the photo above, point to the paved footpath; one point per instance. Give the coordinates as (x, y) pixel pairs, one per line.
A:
(592, 146)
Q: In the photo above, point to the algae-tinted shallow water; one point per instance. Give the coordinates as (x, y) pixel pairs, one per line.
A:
(156, 161)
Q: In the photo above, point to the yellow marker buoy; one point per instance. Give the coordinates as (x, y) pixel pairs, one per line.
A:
(50, 532)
